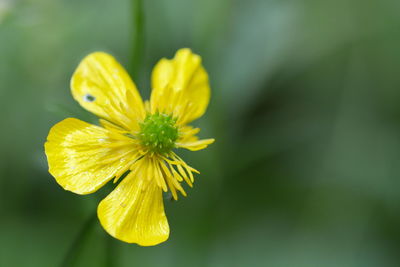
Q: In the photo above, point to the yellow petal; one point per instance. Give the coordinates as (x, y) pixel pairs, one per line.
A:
(83, 157)
(102, 86)
(180, 86)
(196, 145)
(134, 211)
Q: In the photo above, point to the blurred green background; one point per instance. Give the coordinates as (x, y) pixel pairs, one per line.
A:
(305, 110)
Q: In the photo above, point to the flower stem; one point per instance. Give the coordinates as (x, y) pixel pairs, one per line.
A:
(110, 260)
(76, 245)
(137, 37)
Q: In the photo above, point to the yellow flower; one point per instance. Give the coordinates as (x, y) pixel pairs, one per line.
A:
(134, 136)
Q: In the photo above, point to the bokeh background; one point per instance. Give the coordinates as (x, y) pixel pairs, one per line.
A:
(305, 110)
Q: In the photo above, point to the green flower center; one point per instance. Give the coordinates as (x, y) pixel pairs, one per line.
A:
(158, 132)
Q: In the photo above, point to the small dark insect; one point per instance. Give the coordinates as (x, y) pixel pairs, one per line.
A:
(89, 98)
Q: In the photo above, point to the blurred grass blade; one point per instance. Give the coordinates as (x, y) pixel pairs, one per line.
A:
(76, 246)
(137, 37)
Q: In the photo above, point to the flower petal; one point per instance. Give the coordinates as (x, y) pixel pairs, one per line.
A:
(180, 86)
(83, 157)
(102, 86)
(134, 211)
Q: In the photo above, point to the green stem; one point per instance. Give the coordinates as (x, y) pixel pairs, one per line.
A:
(137, 37)
(110, 260)
(76, 245)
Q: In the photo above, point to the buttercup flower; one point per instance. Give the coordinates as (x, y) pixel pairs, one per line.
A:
(134, 137)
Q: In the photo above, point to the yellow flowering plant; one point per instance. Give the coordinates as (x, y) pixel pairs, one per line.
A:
(134, 137)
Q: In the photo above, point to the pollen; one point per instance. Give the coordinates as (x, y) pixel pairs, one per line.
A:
(158, 133)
